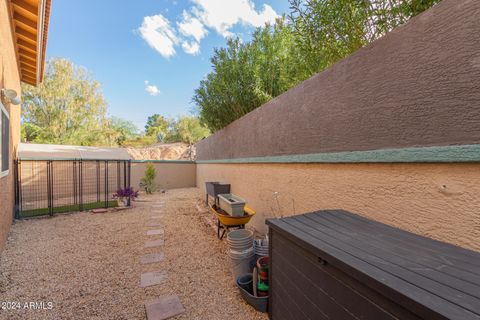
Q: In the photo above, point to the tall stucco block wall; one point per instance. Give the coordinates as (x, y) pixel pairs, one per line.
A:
(9, 78)
(417, 86)
(441, 201)
(170, 175)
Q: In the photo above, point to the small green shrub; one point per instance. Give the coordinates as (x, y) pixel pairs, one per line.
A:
(148, 181)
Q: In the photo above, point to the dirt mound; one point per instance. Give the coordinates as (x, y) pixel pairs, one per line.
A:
(164, 151)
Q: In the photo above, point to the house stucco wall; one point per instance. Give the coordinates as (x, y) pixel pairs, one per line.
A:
(9, 78)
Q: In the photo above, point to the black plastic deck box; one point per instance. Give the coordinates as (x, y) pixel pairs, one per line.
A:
(337, 265)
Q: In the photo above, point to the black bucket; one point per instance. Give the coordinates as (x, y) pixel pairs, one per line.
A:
(246, 287)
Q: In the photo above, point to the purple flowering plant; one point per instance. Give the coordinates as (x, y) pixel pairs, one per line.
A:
(126, 193)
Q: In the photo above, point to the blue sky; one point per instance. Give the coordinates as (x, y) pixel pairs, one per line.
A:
(150, 55)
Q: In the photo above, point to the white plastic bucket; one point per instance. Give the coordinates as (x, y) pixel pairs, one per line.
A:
(239, 234)
(240, 240)
(241, 263)
(260, 247)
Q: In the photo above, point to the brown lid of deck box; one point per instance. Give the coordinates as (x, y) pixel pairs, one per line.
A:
(431, 278)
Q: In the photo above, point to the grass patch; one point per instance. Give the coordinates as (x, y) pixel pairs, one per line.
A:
(67, 208)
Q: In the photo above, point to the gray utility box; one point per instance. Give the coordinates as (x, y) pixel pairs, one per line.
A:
(214, 188)
(231, 204)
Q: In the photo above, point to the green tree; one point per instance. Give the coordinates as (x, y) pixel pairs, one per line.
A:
(187, 129)
(157, 126)
(246, 75)
(67, 108)
(329, 30)
(30, 132)
(140, 141)
(125, 130)
(316, 34)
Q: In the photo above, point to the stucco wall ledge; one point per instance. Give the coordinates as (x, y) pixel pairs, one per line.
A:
(164, 161)
(445, 154)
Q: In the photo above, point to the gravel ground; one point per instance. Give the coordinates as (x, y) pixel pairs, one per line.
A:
(88, 265)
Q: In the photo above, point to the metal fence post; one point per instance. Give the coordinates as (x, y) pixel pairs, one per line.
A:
(129, 170)
(16, 212)
(118, 175)
(98, 180)
(124, 174)
(20, 188)
(49, 188)
(106, 183)
(80, 183)
(52, 184)
(74, 171)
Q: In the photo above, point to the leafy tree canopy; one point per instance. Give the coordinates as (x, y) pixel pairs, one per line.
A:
(329, 30)
(157, 126)
(316, 34)
(68, 107)
(246, 75)
(187, 129)
(126, 130)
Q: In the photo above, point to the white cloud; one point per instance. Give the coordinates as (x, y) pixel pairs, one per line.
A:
(222, 15)
(191, 27)
(159, 34)
(151, 89)
(218, 15)
(192, 48)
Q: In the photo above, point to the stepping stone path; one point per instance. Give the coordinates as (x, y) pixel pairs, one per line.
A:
(152, 258)
(153, 278)
(167, 306)
(154, 232)
(154, 224)
(164, 308)
(154, 243)
(99, 210)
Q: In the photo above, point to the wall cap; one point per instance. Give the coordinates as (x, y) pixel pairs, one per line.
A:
(443, 154)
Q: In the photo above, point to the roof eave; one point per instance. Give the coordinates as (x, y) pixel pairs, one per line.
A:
(43, 21)
(30, 20)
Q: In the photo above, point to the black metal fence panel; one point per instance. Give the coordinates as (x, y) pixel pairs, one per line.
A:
(46, 187)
